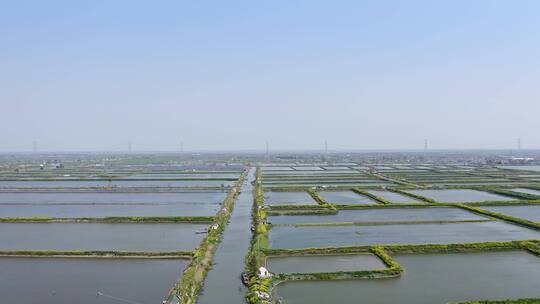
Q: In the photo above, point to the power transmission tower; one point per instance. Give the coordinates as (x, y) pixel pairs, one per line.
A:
(425, 147)
(267, 155)
(325, 147)
(181, 147)
(129, 146)
(34, 146)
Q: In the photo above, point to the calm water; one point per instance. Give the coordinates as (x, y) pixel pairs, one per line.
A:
(431, 279)
(97, 236)
(531, 213)
(67, 281)
(307, 237)
(106, 210)
(460, 195)
(346, 198)
(198, 198)
(288, 198)
(394, 197)
(381, 215)
(526, 190)
(117, 183)
(324, 263)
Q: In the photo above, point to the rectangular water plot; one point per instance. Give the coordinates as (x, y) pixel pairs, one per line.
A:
(381, 215)
(346, 198)
(337, 236)
(460, 195)
(113, 183)
(394, 197)
(288, 198)
(108, 210)
(531, 213)
(431, 279)
(195, 198)
(99, 236)
(324, 263)
(312, 168)
(87, 281)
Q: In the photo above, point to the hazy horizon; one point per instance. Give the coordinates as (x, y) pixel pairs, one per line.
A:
(230, 76)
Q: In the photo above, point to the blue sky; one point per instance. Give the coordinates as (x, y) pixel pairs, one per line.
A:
(229, 75)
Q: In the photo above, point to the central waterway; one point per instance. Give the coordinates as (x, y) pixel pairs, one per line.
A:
(223, 284)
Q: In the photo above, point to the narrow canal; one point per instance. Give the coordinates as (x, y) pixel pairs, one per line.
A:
(223, 283)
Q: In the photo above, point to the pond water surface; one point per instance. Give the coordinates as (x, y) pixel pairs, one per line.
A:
(460, 195)
(431, 279)
(99, 236)
(324, 263)
(381, 215)
(336, 236)
(67, 281)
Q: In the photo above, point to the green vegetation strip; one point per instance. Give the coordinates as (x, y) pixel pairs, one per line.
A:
(416, 196)
(372, 196)
(116, 219)
(502, 216)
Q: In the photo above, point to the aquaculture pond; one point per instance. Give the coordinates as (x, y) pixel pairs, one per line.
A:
(185, 175)
(99, 236)
(335, 236)
(381, 215)
(308, 168)
(112, 183)
(346, 198)
(195, 198)
(74, 280)
(288, 198)
(431, 279)
(531, 213)
(82, 210)
(324, 263)
(394, 197)
(460, 195)
(527, 191)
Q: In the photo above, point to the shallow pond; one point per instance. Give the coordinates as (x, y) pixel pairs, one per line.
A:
(531, 213)
(107, 210)
(431, 279)
(324, 263)
(460, 195)
(288, 198)
(99, 236)
(187, 197)
(308, 168)
(335, 236)
(113, 183)
(67, 281)
(394, 197)
(381, 215)
(346, 198)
